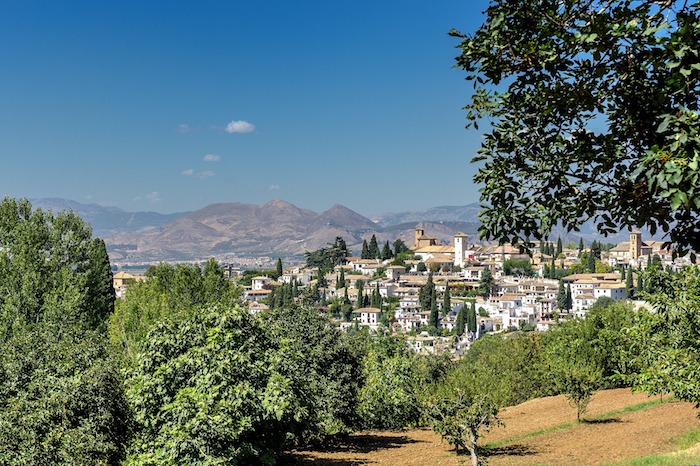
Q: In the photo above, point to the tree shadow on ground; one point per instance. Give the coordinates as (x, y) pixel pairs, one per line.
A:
(516, 449)
(355, 444)
(610, 420)
(306, 459)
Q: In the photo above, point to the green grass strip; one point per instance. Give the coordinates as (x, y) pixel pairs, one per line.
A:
(568, 425)
(679, 458)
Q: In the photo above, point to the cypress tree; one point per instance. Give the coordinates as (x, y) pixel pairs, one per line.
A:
(365, 250)
(460, 323)
(590, 262)
(561, 296)
(581, 246)
(386, 252)
(426, 292)
(434, 319)
(629, 283)
(373, 248)
(360, 285)
(341, 279)
(553, 269)
(569, 299)
(279, 267)
(446, 300)
(560, 247)
(471, 317)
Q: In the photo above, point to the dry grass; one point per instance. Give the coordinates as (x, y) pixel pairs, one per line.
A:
(538, 432)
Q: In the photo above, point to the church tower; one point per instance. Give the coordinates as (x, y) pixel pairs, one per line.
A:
(461, 246)
(635, 245)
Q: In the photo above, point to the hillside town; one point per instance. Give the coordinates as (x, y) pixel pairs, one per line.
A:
(473, 289)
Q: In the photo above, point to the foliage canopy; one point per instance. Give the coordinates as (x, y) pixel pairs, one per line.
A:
(593, 107)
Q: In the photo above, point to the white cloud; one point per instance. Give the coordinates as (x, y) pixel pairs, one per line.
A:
(153, 196)
(274, 187)
(240, 126)
(183, 128)
(211, 158)
(201, 175)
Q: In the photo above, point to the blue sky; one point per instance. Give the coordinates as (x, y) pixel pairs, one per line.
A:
(171, 106)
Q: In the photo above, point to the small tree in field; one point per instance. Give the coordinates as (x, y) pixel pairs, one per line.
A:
(462, 408)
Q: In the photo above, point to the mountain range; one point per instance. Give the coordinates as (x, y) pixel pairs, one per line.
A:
(275, 229)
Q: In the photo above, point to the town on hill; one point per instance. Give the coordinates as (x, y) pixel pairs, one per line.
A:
(445, 296)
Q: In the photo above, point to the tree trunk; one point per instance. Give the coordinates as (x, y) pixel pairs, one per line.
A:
(472, 448)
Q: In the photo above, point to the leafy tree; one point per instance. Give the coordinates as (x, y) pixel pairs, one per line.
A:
(668, 348)
(594, 115)
(421, 267)
(323, 366)
(390, 396)
(169, 292)
(51, 270)
(575, 363)
(518, 267)
(61, 400)
(400, 247)
(486, 283)
(461, 408)
(211, 388)
(329, 257)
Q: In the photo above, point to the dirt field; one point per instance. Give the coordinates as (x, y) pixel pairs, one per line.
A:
(600, 441)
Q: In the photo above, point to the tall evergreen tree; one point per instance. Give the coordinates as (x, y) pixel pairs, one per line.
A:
(471, 317)
(279, 268)
(629, 283)
(581, 246)
(426, 292)
(386, 252)
(590, 262)
(553, 269)
(360, 285)
(561, 296)
(486, 283)
(341, 279)
(569, 299)
(560, 247)
(434, 316)
(373, 248)
(365, 250)
(460, 323)
(446, 300)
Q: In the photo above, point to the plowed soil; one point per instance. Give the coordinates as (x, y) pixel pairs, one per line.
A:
(604, 439)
